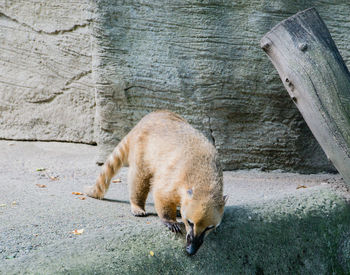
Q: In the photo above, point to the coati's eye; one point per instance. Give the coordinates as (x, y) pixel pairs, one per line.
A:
(190, 223)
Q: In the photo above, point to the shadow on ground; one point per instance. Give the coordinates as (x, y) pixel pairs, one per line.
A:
(297, 235)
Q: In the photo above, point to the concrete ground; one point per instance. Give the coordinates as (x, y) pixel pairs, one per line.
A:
(274, 223)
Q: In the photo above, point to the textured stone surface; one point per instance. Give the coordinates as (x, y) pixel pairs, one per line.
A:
(46, 88)
(202, 59)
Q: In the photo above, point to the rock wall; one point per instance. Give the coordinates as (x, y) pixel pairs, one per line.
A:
(46, 88)
(202, 60)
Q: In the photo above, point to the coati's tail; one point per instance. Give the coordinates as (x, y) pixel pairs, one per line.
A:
(114, 162)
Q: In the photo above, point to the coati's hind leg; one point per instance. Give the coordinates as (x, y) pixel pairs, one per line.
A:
(166, 210)
(139, 186)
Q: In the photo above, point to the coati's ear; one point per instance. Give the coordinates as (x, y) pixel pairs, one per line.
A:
(225, 198)
(190, 192)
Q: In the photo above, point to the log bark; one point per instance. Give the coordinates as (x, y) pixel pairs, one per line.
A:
(317, 79)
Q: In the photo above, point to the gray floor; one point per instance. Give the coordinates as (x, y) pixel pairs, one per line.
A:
(266, 225)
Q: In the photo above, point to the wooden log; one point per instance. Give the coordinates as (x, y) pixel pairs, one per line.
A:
(317, 79)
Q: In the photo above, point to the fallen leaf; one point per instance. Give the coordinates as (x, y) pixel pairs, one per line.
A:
(151, 253)
(78, 231)
(41, 185)
(82, 198)
(3, 205)
(40, 169)
(116, 180)
(77, 193)
(53, 178)
(301, 186)
(14, 203)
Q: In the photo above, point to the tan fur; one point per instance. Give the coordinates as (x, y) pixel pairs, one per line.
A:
(177, 162)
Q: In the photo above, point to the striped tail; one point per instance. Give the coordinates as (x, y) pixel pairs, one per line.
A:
(112, 165)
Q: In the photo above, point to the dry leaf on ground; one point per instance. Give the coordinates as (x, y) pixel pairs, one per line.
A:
(151, 253)
(41, 185)
(40, 169)
(116, 180)
(53, 178)
(78, 231)
(82, 198)
(301, 186)
(77, 193)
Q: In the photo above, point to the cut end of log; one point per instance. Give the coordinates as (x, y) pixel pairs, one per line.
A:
(299, 14)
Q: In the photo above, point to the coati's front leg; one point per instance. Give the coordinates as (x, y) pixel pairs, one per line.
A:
(166, 210)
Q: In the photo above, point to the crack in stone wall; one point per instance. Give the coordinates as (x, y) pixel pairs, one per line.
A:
(55, 32)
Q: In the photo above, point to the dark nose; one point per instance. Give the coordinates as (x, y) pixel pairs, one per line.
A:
(191, 249)
(193, 245)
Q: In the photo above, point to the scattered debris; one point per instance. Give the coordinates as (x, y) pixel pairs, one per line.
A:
(77, 193)
(53, 178)
(151, 253)
(35, 235)
(301, 186)
(40, 169)
(41, 185)
(3, 205)
(78, 231)
(14, 203)
(117, 180)
(82, 198)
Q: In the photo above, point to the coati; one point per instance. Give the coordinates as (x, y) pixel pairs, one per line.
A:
(166, 154)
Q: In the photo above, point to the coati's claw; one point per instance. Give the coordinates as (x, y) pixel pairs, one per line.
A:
(137, 211)
(92, 192)
(173, 226)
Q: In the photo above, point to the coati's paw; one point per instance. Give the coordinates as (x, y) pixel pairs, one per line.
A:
(137, 211)
(92, 192)
(173, 226)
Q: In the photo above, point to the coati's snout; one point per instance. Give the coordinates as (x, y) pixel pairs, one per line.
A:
(193, 240)
(200, 218)
(193, 243)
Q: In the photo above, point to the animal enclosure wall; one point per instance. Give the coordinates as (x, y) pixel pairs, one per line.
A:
(46, 88)
(200, 59)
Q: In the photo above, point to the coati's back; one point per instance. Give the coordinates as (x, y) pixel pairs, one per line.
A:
(164, 144)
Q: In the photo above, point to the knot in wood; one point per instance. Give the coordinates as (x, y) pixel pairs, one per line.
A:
(266, 44)
(289, 83)
(302, 47)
